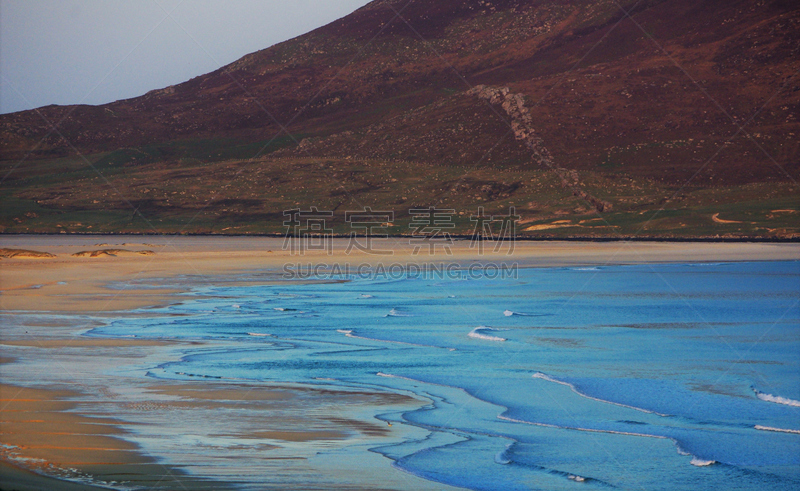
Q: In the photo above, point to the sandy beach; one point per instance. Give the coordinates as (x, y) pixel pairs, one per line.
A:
(69, 283)
(74, 428)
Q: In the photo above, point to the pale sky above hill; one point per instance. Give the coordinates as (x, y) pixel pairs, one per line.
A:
(99, 51)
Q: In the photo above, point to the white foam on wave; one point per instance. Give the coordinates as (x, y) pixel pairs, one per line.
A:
(575, 478)
(365, 295)
(502, 456)
(349, 334)
(397, 313)
(586, 268)
(772, 428)
(696, 461)
(548, 378)
(776, 399)
(500, 459)
(543, 376)
(258, 334)
(476, 334)
(509, 313)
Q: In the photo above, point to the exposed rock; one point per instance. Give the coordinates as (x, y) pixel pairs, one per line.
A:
(520, 120)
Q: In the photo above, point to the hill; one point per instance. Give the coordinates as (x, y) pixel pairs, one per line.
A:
(649, 118)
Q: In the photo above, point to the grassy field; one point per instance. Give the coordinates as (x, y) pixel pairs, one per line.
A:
(178, 188)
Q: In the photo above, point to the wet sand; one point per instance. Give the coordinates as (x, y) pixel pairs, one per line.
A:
(66, 434)
(70, 426)
(15, 478)
(41, 433)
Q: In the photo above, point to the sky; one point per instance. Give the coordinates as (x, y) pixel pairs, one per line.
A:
(99, 51)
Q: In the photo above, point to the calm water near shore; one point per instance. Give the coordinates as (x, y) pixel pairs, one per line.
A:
(679, 376)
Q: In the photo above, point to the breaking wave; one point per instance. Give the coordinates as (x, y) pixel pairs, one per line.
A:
(548, 378)
(502, 457)
(771, 428)
(776, 399)
(509, 313)
(696, 461)
(476, 334)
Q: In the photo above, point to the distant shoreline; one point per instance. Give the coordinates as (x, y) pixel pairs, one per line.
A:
(77, 272)
(458, 237)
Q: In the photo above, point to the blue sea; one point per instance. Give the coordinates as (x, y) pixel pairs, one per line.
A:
(668, 376)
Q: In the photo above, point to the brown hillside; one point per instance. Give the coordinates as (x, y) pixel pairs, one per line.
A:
(682, 96)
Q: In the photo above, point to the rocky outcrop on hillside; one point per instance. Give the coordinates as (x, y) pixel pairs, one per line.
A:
(522, 125)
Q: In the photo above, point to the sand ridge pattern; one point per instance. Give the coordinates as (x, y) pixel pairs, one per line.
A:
(111, 253)
(23, 254)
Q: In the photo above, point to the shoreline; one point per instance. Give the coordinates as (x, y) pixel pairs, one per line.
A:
(16, 478)
(456, 237)
(116, 285)
(126, 279)
(51, 442)
(56, 436)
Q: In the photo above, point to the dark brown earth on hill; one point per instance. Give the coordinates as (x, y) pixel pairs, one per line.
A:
(649, 118)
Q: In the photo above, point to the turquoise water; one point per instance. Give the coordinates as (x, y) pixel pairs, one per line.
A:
(630, 377)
